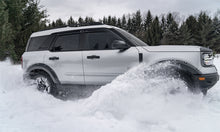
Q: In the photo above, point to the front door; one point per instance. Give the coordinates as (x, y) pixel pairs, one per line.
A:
(101, 61)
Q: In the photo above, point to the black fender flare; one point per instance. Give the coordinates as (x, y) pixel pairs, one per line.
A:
(185, 66)
(44, 68)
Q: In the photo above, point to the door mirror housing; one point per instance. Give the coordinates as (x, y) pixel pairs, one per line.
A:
(119, 44)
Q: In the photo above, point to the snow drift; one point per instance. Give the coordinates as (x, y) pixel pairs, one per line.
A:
(134, 102)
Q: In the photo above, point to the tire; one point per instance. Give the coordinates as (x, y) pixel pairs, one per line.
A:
(44, 82)
(171, 69)
(190, 83)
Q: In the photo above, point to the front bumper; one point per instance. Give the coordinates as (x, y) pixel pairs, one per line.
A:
(206, 81)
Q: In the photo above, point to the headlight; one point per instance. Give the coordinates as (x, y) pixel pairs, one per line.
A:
(207, 59)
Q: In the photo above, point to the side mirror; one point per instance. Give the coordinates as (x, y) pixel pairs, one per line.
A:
(119, 44)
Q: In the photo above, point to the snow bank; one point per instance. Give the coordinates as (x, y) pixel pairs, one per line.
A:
(134, 102)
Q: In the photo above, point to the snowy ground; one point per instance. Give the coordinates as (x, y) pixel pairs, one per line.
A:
(133, 102)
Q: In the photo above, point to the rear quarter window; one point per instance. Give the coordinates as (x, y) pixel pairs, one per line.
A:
(38, 43)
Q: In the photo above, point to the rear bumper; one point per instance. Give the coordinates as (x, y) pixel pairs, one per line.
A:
(206, 81)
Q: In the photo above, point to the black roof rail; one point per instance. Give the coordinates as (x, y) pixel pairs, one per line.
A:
(86, 24)
(49, 28)
(74, 25)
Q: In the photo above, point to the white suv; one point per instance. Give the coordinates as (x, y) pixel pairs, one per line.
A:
(95, 55)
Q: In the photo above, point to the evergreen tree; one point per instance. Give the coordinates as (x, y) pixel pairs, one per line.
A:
(20, 18)
(185, 37)
(25, 17)
(138, 21)
(207, 35)
(89, 20)
(80, 21)
(148, 20)
(119, 24)
(170, 36)
(192, 25)
(71, 22)
(59, 23)
(114, 21)
(124, 22)
(6, 34)
(129, 25)
(156, 31)
(105, 20)
(109, 21)
(216, 24)
(53, 25)
(163, 24)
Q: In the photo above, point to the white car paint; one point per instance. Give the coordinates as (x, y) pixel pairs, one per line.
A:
(75, 68)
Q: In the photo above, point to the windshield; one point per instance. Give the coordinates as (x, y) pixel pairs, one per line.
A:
(131, 38)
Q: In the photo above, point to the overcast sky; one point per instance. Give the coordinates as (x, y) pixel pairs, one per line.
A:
(99, 8)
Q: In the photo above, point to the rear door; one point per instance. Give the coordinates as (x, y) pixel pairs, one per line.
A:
(102, 63)
(65, 58)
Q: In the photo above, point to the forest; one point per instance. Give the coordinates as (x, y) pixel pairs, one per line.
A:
(20, 18)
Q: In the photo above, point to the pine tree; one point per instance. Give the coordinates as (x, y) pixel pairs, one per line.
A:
(71, 22)
(156, 31)
(25, 17)
(109, 21)
(80, 21)
(138, 21)
(105, 20)
(88, 20)
(114, 21)
(59, 23)
(6, 34)
(170, 36)
(216, 24)
(53, 24)
(192, 25)
(185, 37)
(163, 24)
(149, 36)
(129, 25)
(119, 24)
(207, 36)
(124, 22)
(148, 20)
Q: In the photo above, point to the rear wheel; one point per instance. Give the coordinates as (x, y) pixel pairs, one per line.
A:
(44, 82)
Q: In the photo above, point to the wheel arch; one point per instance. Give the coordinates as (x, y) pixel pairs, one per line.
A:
(42, 67)
(185, 66)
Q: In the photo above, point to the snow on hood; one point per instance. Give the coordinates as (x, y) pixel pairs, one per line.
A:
(174, 48)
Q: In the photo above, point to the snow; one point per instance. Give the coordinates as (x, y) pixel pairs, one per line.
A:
(137, 101)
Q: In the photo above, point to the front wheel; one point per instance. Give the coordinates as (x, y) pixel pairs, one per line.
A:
(44, 82)
(190, 82)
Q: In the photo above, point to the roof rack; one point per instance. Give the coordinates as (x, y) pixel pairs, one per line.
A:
(74, 25)
(49, 28)
(86, 24)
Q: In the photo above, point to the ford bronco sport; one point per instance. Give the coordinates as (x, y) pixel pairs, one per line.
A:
(95, 55)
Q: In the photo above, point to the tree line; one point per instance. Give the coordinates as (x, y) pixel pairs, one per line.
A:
(20, 18)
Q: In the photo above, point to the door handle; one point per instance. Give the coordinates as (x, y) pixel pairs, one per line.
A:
(93, 57)
(54, 58)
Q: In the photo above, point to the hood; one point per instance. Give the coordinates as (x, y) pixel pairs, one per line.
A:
(173, 48)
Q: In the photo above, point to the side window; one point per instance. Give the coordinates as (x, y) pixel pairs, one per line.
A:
(101, 40)
(37, 44)
(67, 43)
